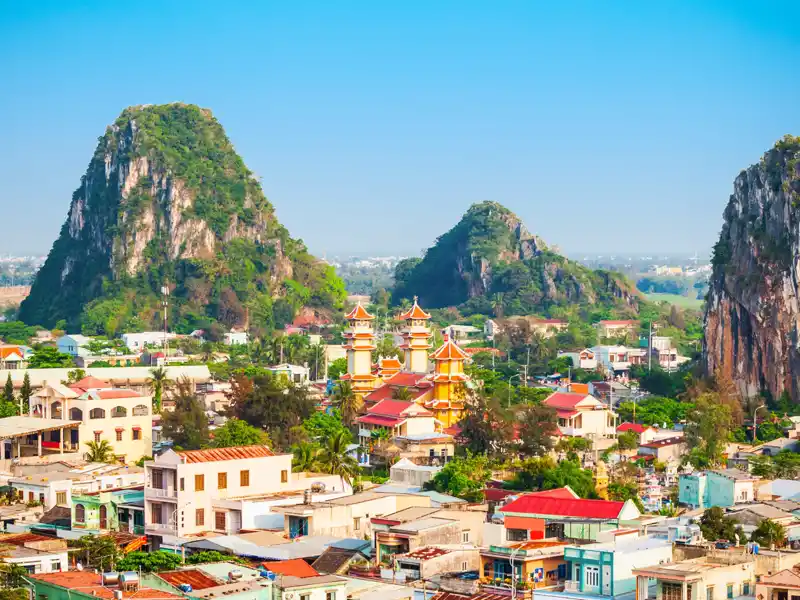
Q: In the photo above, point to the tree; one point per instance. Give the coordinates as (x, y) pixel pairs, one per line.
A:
(322, 426)
(464, 477)
(769, 534)
(628, 440)
(347, 402)
(158, 382)
(25, 393)
(537, 426)
(187, 425)
(716, 526)
(337, 368)
(335, 459)
(305, 457)
(98, 552)
(212, 556)
(149, 562)
(543, 473)
(401, 393)
(625, 491)
(236, 432)
(386, 348)
(708, 427)
(74, 376)
(8, 390)
(497, 304)
(486, 427)
(48, 357)
(13, 576)
(101, 452)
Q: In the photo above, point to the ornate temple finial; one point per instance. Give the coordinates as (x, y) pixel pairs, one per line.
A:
(415, 299)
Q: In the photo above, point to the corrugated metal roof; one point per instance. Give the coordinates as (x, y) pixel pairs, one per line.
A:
(195, 578)
(589, 509)
(217, 454)
(295, 567)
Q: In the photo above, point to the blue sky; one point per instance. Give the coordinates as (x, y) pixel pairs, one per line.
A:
(607, 126)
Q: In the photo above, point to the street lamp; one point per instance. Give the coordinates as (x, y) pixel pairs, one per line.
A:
(517, 375)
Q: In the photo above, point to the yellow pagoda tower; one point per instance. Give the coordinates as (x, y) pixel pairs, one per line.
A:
(448, 383)
(416, 339)
(359, 344)
(601, 479)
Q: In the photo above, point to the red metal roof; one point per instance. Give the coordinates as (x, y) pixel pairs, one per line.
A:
(635, 427)
(449, 351)
(194, 577)
(235, 453)
(395, 408)
(90, 383)
(496, 495)
(379, 420)
(115, 394)
(407, 379)
(20, 539)
(559, 507)
(90, 584)
(564, 400)
(564, 493)
(295, 567)
(360, 313)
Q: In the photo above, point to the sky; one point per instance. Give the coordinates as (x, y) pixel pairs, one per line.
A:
(607, 126)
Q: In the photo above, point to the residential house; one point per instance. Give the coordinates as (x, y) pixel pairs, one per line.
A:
(534, 564)
(408, 472)
(73, 344)
(538, 516)
(750, 516)
(432, 448)
(664, 450)
(490, 329)
(12, 358)
(431, 561)
(345, 517)
(119, 416)
(779, 586)
(224, 490)
(704, 578)
(460, 333)
(607, 568)
(395, 418)
(109, 510)
(322, 587)
(616, 329)
(724, 488)
(138, 342)
(337, 558)
(295, 567)
(91, 585)
(235, 338)
(293, 373)
(35, 553)
(212, 580)
(582, 415)
(617, 360)
(581, 359)
(610, 391)
(645, 433)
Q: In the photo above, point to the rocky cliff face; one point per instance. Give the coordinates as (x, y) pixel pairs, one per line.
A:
(752, 321)
(490, 257)
(166, 200)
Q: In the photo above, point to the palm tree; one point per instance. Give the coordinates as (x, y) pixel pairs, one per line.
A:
(101, 452)
(306, 457)
(158, 382)
(335, 459)
(348, 403)
(497, 304)
(402, 393)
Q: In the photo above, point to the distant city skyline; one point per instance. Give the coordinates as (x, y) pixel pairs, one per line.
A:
(602, 125)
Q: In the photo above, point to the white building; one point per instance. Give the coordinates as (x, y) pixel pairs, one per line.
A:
(137, 342)
(235, 338)
(121, 417)
(74, 344)
(582, 415)
(584, 359)
(223, 490)
(294, 373)
(35, 553)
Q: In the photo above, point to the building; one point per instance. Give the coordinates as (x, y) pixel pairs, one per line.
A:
(490, 329)
(706, 578)
(582, 415)
(322, 587)
(12, 358)
(665, 449)
(460, 333)
(109, 510)
(582, 359)
(645, 433)
(89, 585)
(74, 344)
(212, 580)
(724, 487)
(223, 490)
(119, 416)
(535, 564)
(616, 329)
(537, 516)
(431, 561)
(235, 338)
(294, 373)
(617, 360)
(607, 568)
(35, 553)
(779, 586)
(395, 418)
(138, 342)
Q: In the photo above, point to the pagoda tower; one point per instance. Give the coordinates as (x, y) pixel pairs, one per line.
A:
(359, 344)
(448, 383)
(416, 339)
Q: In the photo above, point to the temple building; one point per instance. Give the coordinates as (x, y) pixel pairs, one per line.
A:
(436, 382)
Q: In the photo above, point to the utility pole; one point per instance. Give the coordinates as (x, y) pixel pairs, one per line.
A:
(527, 365)
(165, 304)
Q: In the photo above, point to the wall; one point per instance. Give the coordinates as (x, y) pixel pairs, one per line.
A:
(42, 563)
(49, 489)
(719, 490)
(318, 592)
(691, 490)
(452, 562)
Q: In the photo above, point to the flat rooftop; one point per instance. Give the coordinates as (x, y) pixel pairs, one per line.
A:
(11, 427)
(91, 584)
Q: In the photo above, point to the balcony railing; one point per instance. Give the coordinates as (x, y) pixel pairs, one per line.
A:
(572, 586)
(161, 528)
(152, 492)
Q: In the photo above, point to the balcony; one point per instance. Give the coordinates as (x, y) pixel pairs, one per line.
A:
(160, 529)
(168, 494)
(572, 586)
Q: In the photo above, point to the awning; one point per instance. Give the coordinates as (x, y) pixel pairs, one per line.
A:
(120, 429)
(136, 428)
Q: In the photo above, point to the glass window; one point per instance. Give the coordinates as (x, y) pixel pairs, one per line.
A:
(97, 436)
(199, 517)
(219, 521)
(97, 413)
(730, 590)
(330, 595)
(710, 592)
(244, 478)
(55, 565)
(119, 411)
(80, 513)
(158, 479)
(181, 483)
(61, 498)
(746, 588)
(222, 481)
(356, 523)
(284, 476)
(671, 591)
(199, 483)
(137, 434)
(517, 535)
(119, 435)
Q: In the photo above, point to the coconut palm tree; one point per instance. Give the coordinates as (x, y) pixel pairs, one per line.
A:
(402, 393)
(334, 458)
(348, 403)
(158, 382)
(306, 457)
(101, 452)
(497, 304)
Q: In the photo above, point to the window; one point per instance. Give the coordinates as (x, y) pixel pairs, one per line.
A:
(158, 479)
(199, 483)
(119, 411)
(464, 566)
(136, 434)
(284, 476)
(140, 410)
(21, 494)
(97, 413)
(30, 496)
(97, 435)
(41, 498)
(200, 517)
(222, 481)
(119, 435)
(155, 514)
(671, 591)
(80, 513)
(432, 453)
(593, 579)
(730, 590)
(55, 565)
(516, 535)
(357, 523)
(710, 592)
(244, 478)
(219, 521)
(305, 596)
(61, 498)
(330, 595)
(465, 538)
(181, 483)
(75, 414)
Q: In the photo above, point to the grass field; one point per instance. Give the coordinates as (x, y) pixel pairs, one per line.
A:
(677, 300)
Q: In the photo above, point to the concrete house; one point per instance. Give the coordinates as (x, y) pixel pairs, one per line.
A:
(582, 415)
(705, 578)
(539, 563)
(74, 344)
(724, 488)
(780, 586)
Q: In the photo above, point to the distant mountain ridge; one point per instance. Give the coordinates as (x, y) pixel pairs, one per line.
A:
(166, 200)
(490, 257)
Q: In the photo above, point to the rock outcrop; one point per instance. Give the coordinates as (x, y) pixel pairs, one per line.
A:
(167, 201)
(752, 321)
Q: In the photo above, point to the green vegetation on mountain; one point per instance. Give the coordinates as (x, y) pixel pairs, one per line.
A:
(489, 263)
(166, 200)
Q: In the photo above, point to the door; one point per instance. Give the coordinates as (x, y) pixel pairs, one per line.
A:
(606, 580)
(103, 517)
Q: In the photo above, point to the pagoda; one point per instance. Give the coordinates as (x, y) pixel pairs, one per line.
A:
(449, 382)
(359, 344)
(416, 339)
